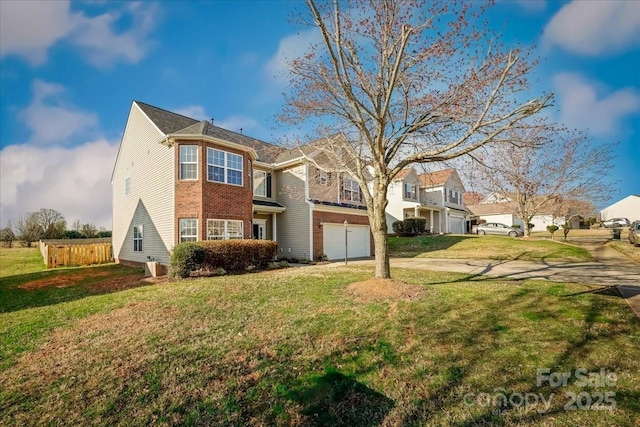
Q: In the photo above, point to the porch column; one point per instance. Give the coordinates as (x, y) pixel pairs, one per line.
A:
(430, 220)
(274, 227)
(446, 220)
(416, 212)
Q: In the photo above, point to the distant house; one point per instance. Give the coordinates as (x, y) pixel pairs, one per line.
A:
(177, 179)
(436, 196)
(629, 208)
(499, 207)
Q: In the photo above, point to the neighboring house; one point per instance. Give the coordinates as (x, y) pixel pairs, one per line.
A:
(497, 207)
(629, 208)
(436, 196)
(178, 179)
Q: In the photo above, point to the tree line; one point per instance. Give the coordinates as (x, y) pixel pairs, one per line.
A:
(47, 224)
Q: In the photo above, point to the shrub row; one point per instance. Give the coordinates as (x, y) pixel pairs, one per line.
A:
(410, 226)
(218, 255)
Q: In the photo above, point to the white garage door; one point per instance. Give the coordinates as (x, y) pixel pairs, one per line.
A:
(456, 225)
(333, 239)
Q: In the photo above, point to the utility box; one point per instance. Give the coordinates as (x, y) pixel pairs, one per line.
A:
(153, 269)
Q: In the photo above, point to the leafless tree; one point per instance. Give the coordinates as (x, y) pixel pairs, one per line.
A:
(89, 230)
(405, 82)
(29, 229)
(52, 222)
(7, 236)
(561, 174)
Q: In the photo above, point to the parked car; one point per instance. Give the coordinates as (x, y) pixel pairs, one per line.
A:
(616, 223)
(498, 228)
(634, 233)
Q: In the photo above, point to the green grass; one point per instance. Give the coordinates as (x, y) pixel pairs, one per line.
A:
(14, 261)
(295, 347)
(485, 247)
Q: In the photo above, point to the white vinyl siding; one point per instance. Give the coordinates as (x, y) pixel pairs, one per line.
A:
(150, 168)
(224, 229)
(293, 224)
(224, 167)
(189, 162)
(127, 186)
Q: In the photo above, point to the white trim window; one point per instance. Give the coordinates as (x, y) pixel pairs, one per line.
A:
(410, 191)
(224, 167)
(127, 186)
(350, 190)
(137, 238)
(188, 230)
(323, 178)
(224, 229)
(261, 183)
(189, 162)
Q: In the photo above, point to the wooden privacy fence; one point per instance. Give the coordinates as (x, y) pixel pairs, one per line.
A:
(75, 255)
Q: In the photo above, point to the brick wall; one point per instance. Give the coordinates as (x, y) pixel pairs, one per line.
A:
(204, 200)
(337, 218)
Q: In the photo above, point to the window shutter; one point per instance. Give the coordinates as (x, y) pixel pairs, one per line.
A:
(268, 184)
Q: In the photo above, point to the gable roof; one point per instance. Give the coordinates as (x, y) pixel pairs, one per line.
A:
(491, 208)
(437, 178)
(472, 198)
(177, 124)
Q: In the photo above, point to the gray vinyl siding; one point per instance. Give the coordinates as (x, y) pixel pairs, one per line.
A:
(293, 224)
(150, 203)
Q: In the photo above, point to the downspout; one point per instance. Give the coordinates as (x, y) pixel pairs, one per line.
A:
(307, 198)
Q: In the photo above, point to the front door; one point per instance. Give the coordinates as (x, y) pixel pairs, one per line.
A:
(259, 229)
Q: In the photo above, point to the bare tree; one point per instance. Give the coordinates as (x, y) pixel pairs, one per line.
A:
(29, 229)
(7, 236)
(52, 222)
(404, 82)
(561, 174)
(89, 230)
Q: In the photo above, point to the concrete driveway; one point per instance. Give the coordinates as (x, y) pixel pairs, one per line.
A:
(610, 269)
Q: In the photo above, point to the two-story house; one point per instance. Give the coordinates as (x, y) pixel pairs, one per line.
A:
(177, 179)
(436, 196)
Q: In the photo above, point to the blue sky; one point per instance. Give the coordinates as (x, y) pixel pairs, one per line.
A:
(69, 71)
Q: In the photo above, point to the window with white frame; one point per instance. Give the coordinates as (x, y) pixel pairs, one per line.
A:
(224, 167)
(137, 238)
(127, 186)
(189, 162)
(350, 190)
(262, 183)
(224, 229)
(410, 191)
(323, 178)
(188, 230)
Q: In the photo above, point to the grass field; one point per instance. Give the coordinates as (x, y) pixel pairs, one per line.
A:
(486, 247)
(626, 248)
(307, 346)
(14, 261)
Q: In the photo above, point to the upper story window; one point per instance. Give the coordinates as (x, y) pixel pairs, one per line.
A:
(350, 190)
(262, 183)
(223, 229)
(453, 196)
(323, 178)
(410, 191)
(127, 186)
(189, 162)
(224, 167)
(137, 238)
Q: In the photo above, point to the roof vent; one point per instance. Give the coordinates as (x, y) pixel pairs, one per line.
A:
(211, 121)
(240, 131)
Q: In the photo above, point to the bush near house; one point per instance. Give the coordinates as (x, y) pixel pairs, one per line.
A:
(410, 226)
(219, 255)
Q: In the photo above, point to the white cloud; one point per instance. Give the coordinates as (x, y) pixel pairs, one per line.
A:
(290, 47)
(29, 28)
(74, 181)
(595, 27)
(193, 111)
(583, 106)
(51, 119)
(97, 37)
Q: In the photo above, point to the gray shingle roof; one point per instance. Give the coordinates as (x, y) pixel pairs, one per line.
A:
(176, 124)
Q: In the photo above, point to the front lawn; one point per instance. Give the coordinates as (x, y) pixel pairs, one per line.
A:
(298, 347)
(626, 248)
(486, 247)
